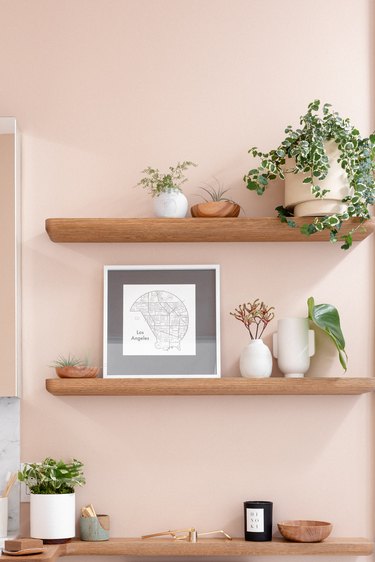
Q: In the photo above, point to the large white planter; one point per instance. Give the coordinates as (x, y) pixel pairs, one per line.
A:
(52, 516)
(298, 196)
(171, 204)
(256, 360)
(293, 345)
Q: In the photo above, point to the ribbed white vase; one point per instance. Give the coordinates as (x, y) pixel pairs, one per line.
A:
(293, 345)
(256, 360)
(171, 204)
(52, 516)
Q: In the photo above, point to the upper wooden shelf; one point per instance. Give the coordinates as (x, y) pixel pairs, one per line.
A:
(256, 229)
(220, 386)
(204, 547)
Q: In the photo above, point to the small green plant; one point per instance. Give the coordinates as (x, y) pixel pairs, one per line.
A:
(255, 316)
(327, 318)
(156, 182)
(215, 193)
(69, 361)
(52, 477)
(306, 145)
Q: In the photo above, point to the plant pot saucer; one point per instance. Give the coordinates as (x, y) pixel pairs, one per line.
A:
(221, 209)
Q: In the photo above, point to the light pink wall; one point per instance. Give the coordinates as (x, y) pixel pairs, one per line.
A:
(103, 88)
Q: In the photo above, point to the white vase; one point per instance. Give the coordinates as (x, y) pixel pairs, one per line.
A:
(256, 360)
(52, 516)
(293, 345)
(301, 201)
(171, 204)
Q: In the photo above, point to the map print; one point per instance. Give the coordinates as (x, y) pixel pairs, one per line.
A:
(159, 319)
(166, 315)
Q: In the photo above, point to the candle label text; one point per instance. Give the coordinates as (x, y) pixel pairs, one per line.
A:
(254, 520)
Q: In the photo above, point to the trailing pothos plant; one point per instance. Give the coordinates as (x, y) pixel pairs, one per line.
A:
(326, 317)
(306, 145)
(52, 477)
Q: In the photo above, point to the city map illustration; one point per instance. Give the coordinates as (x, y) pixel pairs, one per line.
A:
(166, 316)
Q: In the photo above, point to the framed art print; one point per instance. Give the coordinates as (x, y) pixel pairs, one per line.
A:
(161, 321)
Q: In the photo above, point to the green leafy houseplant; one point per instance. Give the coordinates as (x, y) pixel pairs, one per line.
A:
(326, 317)
(156, 182)
(52, 477)
(306, 145)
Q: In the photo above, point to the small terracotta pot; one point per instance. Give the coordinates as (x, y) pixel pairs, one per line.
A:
(215, 209)
(77, 372)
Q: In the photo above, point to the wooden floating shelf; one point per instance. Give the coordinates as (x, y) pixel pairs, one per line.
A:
(198, 387)
(204, 547)
(256, 229)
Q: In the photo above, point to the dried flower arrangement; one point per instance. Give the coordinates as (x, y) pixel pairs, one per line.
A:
(255, 316)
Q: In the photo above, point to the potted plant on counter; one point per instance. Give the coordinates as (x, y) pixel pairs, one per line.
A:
(169, 201)
(216, 204)
(52, 498)
(256, 358)
(71, 367)
(328, 170)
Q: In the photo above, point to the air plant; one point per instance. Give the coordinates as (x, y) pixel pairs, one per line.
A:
(69, 361)
(255, 317)
(215, 193)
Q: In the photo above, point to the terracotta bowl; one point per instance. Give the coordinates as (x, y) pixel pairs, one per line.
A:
(219, 209)
(77, 372)
(305, 531)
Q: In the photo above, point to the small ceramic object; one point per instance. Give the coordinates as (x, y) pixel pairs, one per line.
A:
(305, 531)
(256, 360)
(171, 204)
(219, 209)
(94, 528)
(79, 372)
(293, 345)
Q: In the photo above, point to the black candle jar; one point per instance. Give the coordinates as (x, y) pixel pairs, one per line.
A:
(258, 520)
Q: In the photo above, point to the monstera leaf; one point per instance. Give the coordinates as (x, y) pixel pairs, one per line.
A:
(326, 317)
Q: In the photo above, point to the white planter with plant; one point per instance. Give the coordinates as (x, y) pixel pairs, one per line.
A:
(294, 342)
(302, 202)
(169, 201)
(52, 498)
(305, 154)
(255, 358)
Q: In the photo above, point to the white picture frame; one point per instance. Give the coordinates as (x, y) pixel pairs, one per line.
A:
(161, 321)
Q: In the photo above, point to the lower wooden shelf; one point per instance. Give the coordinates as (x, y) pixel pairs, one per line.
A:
(204, 547)
(220, 386)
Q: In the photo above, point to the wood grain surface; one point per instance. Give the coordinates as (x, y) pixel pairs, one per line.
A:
(256, 229)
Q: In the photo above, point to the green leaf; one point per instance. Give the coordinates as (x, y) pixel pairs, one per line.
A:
(252, 185)
(326, 317)
(262, 179)
(307, 180)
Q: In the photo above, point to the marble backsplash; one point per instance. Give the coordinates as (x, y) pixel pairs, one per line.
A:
(10, 454)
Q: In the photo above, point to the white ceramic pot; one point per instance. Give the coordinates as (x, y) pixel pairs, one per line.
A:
(171, 204)
(256, 360)
(52, 516)
(293, 345)
(300, 200)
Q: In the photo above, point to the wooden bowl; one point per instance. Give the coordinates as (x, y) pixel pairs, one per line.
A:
(219, 209)
(77, 372)
(305, 531)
